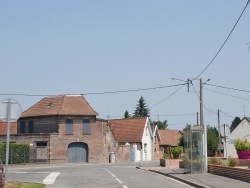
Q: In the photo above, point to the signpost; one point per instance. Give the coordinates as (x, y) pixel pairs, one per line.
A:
(10, 111)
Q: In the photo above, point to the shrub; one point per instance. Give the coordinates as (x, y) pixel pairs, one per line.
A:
(177, 151)
(232, 162)
(214, 161)
(241, 144)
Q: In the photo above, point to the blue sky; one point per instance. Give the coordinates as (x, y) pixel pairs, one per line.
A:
(79, 47)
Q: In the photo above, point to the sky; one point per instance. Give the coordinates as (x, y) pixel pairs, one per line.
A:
(97, 47)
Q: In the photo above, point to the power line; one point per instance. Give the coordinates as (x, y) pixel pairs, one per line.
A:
(228, 94)
(200, 99)
(226, 114)
(167, 97)
(224, 41)
(224, 87)
(94, 93)
(191, 114)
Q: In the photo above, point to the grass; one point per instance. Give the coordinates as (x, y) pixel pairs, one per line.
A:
(13, 184)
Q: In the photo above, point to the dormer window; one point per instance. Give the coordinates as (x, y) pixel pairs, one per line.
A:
(49, 104)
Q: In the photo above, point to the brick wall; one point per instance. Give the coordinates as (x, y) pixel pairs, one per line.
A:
(41, 124)
(98, 142)
(231, 172)
(122, 154)
(244, 162)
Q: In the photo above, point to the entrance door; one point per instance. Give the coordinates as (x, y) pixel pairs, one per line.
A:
(77, 152)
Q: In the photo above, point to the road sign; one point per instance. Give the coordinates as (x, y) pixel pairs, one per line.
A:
(10, 111)
(15, 110)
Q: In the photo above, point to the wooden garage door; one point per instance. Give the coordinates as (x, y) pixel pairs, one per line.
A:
(77, 152)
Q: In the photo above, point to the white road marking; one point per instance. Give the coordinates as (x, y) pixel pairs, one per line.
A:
(119, 181)
(51, 178)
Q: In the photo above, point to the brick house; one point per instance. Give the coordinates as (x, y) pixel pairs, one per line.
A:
(158, 151)
(62, 129)
(169, 138)
(136, 133)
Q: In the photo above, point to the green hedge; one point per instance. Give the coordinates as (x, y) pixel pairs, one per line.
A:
(18, 153)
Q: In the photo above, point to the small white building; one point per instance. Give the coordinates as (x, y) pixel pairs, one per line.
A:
(136, 132)
(242, 131)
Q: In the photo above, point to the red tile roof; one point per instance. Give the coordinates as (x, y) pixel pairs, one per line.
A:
(128, 130)
(170, 137)
(13, 127)
(60, 105)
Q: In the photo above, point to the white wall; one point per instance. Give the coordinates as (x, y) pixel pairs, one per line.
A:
(242, 131)
(147, 140)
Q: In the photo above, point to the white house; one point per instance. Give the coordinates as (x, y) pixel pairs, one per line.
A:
(242, 131)
(136, 132)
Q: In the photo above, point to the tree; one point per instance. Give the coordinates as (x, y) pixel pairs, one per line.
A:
(161, 124)
(235, 123)
(212, 138)
(126, 114)
(181, 141)
(141, 109)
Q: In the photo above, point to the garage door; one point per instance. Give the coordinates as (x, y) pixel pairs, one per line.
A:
(77, 152)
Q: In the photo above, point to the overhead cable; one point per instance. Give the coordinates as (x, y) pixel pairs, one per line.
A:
(223, 42)
(94, 93)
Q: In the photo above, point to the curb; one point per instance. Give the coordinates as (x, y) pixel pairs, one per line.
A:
(176, 178)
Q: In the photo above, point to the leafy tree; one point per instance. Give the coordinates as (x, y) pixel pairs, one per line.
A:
(181, 141)
(235, 123)
(141, 109)
(126, 114)
(212, 138)
(161, 124)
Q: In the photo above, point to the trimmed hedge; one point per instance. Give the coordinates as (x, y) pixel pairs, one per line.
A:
(18, 153)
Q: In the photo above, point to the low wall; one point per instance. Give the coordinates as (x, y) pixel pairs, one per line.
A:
(170, 162)
(230, 172)
(244, 162)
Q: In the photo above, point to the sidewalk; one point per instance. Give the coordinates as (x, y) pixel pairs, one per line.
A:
(205, 180)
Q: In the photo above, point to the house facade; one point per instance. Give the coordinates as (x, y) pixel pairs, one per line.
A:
(242, 131)
(135, 133)
(169, 138)
(63, 129)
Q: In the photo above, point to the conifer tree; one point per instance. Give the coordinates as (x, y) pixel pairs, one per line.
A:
(141, 109)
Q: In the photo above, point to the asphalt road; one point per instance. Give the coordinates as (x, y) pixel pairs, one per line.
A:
(88, 176)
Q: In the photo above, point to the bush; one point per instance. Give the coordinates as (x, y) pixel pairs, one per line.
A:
(18, 153)
(177, 151)
(232, 162)
(214, 161)
(241, 144)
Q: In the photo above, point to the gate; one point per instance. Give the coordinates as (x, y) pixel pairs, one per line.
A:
(77, 152)
(193, 150)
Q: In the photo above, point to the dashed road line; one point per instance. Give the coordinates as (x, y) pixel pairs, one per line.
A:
(119, 181)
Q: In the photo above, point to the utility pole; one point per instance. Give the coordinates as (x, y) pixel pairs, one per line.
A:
(204, 127)
(219, 126)
(197, 118)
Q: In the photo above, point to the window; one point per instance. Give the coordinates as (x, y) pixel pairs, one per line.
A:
(41, 144)
(145, 148)
(86, 126)
(22, 127)
(31, 127)
(69, 126)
